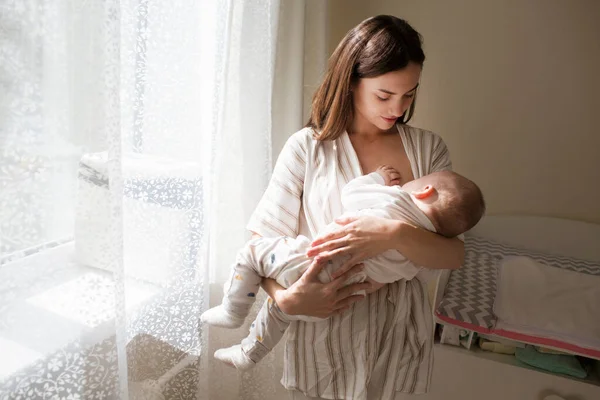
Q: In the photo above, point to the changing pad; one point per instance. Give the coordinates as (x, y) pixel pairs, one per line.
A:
(469, 295)
(556, 302)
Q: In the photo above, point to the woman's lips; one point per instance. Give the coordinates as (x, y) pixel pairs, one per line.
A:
(390, 119)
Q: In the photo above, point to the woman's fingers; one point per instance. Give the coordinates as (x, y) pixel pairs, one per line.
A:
(328, 246)
(314, 269)
(336, 234)
(342, 279)
(351, 290)
(329, 255)
(345, 220)
(345, 304)
(355, 259)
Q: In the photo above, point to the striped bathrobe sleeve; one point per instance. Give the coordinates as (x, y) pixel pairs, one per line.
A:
(440, 156)
(278, 211)
(429, 151)
(440, 161)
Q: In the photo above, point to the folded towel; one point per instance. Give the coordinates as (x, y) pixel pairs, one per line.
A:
(558, 303)
(561, 364)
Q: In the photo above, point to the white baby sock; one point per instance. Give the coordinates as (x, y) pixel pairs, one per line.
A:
(234, 356)
(219, 316)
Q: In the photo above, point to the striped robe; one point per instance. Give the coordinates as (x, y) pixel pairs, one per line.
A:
(383, 343)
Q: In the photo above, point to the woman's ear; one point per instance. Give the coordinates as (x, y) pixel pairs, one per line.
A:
(424, 192)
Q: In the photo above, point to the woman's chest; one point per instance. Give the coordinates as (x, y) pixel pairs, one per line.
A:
(389, 151)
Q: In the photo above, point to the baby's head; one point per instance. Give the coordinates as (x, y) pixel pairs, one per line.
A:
(453, 203)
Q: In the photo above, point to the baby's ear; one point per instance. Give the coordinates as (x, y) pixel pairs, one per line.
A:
(424, 192)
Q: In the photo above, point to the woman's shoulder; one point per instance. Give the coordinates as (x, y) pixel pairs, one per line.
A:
(423, 141)
(421, 135)
(305, 134)
(304, 138)
(428, 148)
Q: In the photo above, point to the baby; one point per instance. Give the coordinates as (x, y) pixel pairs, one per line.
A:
(442, 202)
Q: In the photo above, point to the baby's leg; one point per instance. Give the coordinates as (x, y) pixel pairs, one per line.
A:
(265, 332)
(279, 258)
(242, 286)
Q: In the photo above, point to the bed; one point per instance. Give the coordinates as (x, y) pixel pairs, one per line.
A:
(465, 299)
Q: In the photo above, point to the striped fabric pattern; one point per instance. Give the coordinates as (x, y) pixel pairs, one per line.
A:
(383, 344)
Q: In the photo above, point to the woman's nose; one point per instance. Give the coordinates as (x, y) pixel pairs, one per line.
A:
(399, 108)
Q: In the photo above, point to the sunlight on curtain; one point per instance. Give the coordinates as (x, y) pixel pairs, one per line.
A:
(135, 139)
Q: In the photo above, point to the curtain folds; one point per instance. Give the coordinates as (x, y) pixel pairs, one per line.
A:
(135, 140)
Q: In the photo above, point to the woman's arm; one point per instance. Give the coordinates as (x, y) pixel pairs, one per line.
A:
(426, 248)
(365, 237)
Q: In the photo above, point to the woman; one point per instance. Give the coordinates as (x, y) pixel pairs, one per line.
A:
(382, 345)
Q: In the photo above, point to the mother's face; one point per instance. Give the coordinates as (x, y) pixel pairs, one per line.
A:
(381, 100)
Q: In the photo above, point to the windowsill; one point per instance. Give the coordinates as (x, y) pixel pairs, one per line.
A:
(54, 302)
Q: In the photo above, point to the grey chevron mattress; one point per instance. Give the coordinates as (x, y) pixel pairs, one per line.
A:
(468, 298)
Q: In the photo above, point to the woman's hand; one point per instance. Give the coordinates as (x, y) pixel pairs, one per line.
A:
(358, 238)
(375, 286)
(308, 296)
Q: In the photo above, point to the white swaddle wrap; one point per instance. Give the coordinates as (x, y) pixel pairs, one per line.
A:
(368, 195)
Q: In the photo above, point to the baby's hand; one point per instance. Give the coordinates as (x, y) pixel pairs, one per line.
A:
(390, 175)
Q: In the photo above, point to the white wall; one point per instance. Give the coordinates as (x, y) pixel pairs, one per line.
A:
(514, 89)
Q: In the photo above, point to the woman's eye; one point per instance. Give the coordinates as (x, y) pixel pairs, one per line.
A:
(409, 95)
(383, 98)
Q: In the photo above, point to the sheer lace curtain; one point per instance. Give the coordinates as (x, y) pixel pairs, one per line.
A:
(135, 139)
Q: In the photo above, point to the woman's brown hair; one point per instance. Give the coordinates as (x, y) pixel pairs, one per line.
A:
(374, 47)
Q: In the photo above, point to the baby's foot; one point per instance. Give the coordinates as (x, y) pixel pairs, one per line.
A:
(219, 316)
(389, 174)
(235, 357)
